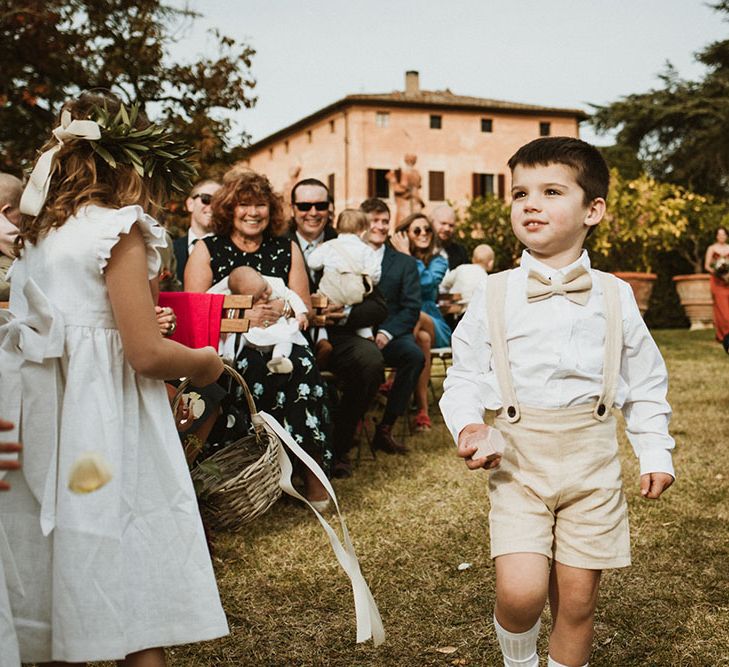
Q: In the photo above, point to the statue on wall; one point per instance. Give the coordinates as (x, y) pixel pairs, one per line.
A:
(294, 173)
(406, 184)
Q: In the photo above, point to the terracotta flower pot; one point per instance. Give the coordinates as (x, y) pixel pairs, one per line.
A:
(642, 285)
(694, 291)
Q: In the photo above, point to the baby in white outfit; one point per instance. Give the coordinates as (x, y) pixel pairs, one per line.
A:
(351, 268)
(282, 334)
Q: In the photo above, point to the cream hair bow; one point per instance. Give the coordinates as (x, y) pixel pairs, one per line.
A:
(35, 193)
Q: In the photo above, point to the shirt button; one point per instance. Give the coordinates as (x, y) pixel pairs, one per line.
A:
(601, 409)
(511, 411)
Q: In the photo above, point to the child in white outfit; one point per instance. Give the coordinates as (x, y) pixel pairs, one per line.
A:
(464, 279)
(122, 572)
(350, 266)
(279, 335)
(553, 346)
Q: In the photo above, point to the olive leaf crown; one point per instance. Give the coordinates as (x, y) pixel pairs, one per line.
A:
(152, 152)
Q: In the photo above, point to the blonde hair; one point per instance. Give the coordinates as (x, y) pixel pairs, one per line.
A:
(352, 221)
(79, 177)
(483, 254)
(10, 190)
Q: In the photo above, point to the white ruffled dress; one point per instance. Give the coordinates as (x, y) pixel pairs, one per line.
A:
(102, 575)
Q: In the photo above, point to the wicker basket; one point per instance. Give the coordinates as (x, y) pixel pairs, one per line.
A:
(240, 481)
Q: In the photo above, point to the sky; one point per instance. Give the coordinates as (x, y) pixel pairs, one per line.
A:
(561, 53)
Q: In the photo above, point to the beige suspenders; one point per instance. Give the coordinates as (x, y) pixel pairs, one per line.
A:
(495, 312)
(495, 308)
(613, 345)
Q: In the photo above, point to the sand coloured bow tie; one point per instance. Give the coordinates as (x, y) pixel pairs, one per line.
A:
(575, 285)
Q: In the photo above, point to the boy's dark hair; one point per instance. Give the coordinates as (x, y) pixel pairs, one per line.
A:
(591, 170)
(374, 205)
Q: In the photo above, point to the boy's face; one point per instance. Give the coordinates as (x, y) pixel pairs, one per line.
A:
(548, 213)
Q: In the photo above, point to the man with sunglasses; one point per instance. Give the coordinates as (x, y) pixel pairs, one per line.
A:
(357, 361)
(201, 217)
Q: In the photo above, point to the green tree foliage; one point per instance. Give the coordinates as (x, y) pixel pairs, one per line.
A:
(52, 49)
(681, 130)
(488, 220)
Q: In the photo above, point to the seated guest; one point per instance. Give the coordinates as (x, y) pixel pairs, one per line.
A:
(400, 286)
(278, 337)
(201, 218)
(414, 236)
(443, 220)
(350, 268)
(356, 361)
(464, 279)
(247, 223)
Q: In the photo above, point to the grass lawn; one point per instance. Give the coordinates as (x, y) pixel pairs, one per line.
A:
(414, 519)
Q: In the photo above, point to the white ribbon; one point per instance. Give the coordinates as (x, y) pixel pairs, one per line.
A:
(30, 347)
(36, 191)
(369, 623)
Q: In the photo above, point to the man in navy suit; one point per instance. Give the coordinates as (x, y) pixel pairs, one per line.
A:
(400, 285)
(201, 217)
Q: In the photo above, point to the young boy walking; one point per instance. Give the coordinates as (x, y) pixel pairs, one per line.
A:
(553, 346)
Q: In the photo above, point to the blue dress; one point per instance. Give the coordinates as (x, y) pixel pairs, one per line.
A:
(430, 278)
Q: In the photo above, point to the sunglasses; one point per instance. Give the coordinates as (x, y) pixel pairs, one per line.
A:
(305, 206)
(417, 231)
(205, 198)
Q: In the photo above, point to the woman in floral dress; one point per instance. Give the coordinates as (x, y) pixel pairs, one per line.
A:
(247, 218)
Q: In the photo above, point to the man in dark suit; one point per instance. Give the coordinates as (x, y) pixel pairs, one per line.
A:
(201, 216)
(443, 219)
(400, 285)
(357, 361)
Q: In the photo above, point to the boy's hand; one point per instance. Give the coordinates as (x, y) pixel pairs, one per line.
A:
(653, 484)
(472, 438)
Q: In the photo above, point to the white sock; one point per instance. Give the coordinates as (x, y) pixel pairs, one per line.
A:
(551, 662)
(519, 649)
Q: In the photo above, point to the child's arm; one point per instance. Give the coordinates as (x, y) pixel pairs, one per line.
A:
(470, 386)
(448, 280)
(372, 265)
(646, 410)
(131, 300)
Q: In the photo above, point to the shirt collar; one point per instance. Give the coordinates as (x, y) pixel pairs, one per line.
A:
(379, 252)
(528, 262)
(305, 243)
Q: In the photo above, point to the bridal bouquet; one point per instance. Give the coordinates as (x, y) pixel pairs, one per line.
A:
(721, 268)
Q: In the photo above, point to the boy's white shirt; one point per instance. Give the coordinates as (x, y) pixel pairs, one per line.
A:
(325, 256)
(464, 280)
(556, 358)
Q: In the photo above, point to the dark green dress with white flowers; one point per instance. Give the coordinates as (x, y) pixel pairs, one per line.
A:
(297, 399)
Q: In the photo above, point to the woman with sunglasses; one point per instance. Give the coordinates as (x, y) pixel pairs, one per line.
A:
(247, 224)
(414, 236)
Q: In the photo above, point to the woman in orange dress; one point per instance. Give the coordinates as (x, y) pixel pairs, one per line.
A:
(717, 264)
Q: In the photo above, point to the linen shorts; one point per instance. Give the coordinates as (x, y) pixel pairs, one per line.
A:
(558, 490)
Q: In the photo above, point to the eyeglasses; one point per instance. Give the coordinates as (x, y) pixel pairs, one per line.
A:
(417, 231)
(305, 206)
(205, 198)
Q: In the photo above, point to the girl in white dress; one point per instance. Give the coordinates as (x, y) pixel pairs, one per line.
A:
(121, 572)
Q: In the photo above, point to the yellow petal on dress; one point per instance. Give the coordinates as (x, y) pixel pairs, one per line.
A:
(89, 473)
